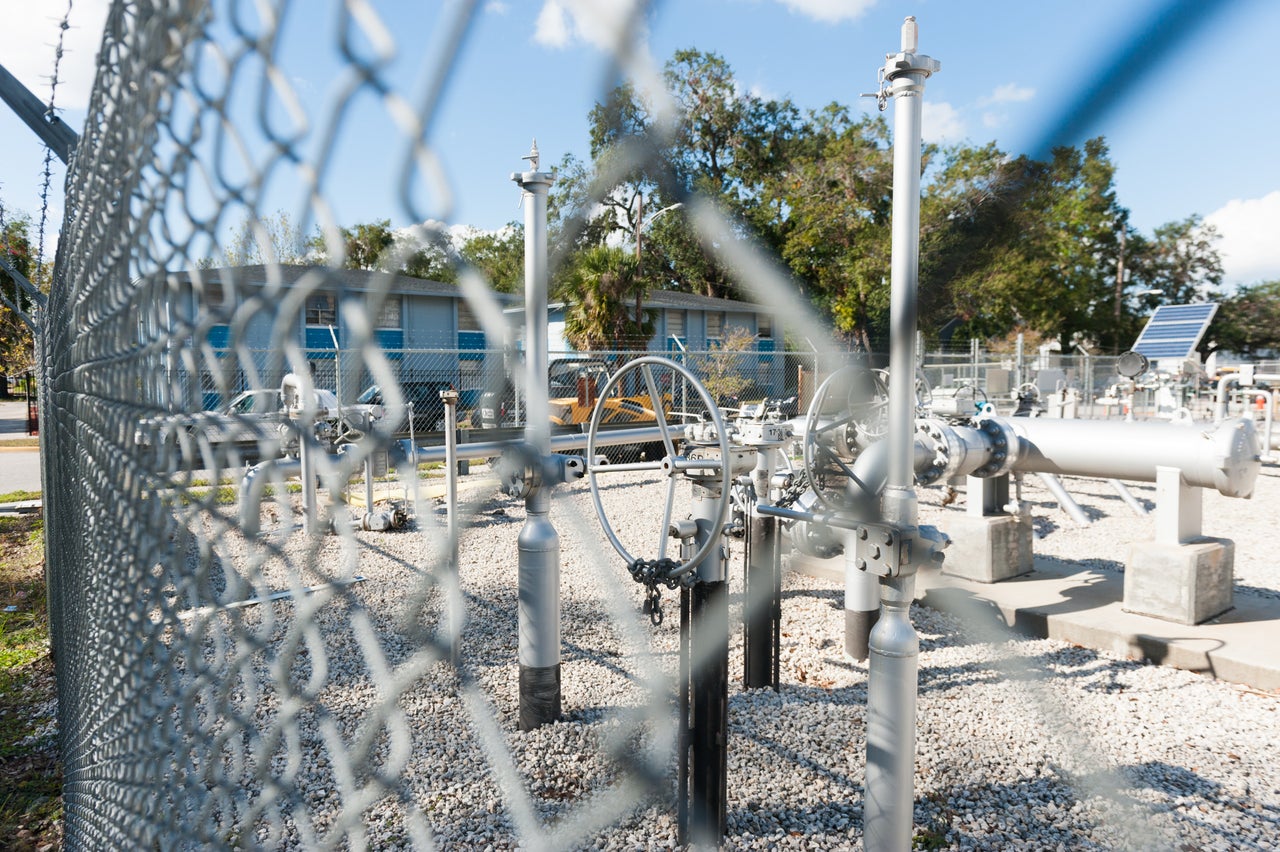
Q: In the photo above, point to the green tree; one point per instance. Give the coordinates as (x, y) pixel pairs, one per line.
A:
(1248, 322)
(1020, 241)
(722, 144)
(724, 370)
(499, 255)
(432, 263)
(366, 245)
(269, 239)
(839, 196)
(15, 335)
(1181, 260)
(605, 297)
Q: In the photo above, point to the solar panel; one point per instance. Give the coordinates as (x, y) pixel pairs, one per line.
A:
(1174, 331)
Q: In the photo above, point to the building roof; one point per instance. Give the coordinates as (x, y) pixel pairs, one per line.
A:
(361, 280)
(358, 280)
(692, 301)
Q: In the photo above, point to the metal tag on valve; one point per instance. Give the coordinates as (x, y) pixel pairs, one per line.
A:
(881, 550)
(379, 462)
(754, 433)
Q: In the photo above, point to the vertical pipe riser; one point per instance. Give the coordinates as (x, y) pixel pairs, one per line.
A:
(707, 668)
(709, 713)
(894, 646)
(763, 607)
(538, 544)
(891, 729)
(539, 617)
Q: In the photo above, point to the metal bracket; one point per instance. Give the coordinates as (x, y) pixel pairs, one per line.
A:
(880, 549)
(886, 551)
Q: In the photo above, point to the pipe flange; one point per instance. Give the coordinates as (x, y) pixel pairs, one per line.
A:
(1002, 444)
(947, 451)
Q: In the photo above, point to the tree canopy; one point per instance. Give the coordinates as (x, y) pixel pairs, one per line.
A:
(15, 336)
(1008, 243)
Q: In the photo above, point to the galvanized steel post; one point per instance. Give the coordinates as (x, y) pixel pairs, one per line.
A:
(762, 618)
(538, 543)
(450, 399)
(894, 644)
(701, 812)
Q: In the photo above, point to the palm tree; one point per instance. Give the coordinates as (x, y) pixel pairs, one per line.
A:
(604, 295)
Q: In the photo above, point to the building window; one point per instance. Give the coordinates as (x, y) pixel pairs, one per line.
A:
(675, 323)
(764, 326)
(322, 309)
(466, 319)
(470, 375)
(715, 325)
(389, 314)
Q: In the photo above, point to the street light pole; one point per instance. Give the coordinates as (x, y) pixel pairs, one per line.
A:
(640, 226)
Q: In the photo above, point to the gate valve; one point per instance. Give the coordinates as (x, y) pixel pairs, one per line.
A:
(522, 470)
(519, 470)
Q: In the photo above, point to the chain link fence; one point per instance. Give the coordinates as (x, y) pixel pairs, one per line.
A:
(239, 666)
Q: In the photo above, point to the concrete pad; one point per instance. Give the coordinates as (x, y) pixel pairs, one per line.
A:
(1084, 606)
(989, 549)
(1185, 583)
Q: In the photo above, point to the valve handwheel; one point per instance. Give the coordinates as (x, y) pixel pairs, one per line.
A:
(672, 464)
(857, 400)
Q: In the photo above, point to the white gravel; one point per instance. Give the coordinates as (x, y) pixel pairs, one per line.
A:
(1021, 743)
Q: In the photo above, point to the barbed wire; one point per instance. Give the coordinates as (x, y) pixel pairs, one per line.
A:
(50, 113)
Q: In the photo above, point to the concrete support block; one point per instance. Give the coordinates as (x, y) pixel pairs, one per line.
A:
(989, 549)
(1187, 583)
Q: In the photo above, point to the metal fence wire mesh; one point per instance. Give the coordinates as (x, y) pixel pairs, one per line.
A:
(239, 666)
(231, 675)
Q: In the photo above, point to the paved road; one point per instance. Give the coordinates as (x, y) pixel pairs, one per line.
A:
(19, 468)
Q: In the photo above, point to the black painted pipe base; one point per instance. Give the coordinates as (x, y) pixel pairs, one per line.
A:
(539, 696)
(857, 632)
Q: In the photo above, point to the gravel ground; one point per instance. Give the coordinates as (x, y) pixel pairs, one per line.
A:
(1021, 743)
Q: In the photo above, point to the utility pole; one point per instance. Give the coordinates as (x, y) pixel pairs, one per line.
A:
(1119, 286)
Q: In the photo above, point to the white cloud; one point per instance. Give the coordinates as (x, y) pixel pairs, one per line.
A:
(600, 23)
(829, 11)
(30, 35)
(552, 28)
(497, 7)
(1249, 248)
(941, 122)
(1009, 93)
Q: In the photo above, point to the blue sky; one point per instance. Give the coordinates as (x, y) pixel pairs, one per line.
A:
(1195, 134)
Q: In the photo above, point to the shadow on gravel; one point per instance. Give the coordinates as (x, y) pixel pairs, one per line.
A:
(1044, 812)
(1211, 801)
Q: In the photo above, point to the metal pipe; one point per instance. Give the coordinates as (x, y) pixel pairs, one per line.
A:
(1220, 398)
(450, 398)
(761, 622)
(1223, 456)
(1065, 500)
(432, 453)
(894, 646)
(538, 544)
(254, 484)
(861, 588)
(708, 672)
(1127, 496)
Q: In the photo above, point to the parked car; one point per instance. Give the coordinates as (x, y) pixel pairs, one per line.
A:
(256, 414)
(423, 395)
